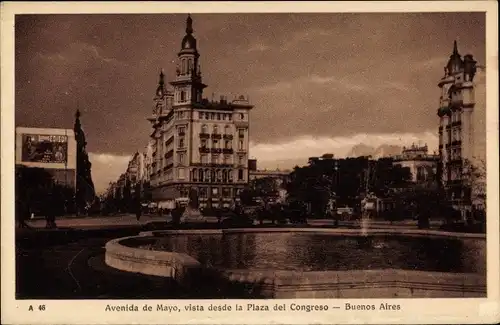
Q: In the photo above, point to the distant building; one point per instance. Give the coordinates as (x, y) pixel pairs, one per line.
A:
(198, 144)
(422, 165)
(462, 100)
(273, 173)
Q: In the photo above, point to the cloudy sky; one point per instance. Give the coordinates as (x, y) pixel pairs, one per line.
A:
(319, 82)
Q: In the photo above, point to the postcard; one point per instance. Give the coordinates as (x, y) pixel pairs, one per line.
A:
(250, 162)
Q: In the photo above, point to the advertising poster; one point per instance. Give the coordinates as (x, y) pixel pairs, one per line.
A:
(45, 148)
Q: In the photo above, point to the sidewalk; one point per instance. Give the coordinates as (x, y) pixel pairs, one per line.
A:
(98, 221)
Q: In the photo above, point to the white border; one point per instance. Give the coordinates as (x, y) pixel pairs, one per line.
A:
(92, 311)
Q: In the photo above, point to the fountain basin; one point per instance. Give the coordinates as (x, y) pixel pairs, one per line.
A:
(312, 263)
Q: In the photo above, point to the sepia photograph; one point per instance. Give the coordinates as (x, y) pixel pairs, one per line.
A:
(245, 155)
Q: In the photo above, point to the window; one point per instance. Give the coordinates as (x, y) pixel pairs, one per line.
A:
(212, 116)
(218, 116)
(215, 191)
(240, 145)
(240, 174)
(224, 176)
(225, 159)
(215, 159)
(183, 97)
(195, 175)
(230, 176)
(219, 175)
(242, 116)
(204, 143)
(183, 66)
(215, 129)
(180, 173)
(201, 174)
(227, 129)
(181, 158)
(204, 159)
(227, 144)
(200, 115)
(181, 142)
(241, 133)
(204, 128)
(240, 160)
(190, 65)
(203, 192)
(181, 130)
(229, 117)
(215, 144)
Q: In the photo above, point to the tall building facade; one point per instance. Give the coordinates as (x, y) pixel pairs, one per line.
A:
(197, 144)
(460, 110)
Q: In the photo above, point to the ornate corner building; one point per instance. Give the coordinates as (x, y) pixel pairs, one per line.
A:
(197, 144)
(458, 105)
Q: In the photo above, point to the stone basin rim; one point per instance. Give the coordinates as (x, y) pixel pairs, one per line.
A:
(318, 231)
(177, 266)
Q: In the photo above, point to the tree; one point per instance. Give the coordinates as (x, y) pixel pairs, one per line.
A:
(474, 176)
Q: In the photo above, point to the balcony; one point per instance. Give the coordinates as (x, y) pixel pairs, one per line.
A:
(213, 165)
(205, 150)
(182, 133)
(228, 136)
(227, 151)
(456, 143)
(204, 136)
(216, 150)
(216, 136)
(458, 123)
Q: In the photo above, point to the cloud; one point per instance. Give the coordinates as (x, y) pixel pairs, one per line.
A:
(107, 168)
(77, 52)
(258, 47)
(309, 146)
(308, 35)
(345, 84)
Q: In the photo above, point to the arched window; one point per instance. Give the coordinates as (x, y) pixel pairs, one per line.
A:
(224, 176)
(183, 66)
(183, 96)
(190, 65)
(201, 175)
(195, 175)
(204, 128)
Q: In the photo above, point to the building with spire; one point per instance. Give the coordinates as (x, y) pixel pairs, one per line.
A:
(85, 192)
(198, 144)
(462, 131)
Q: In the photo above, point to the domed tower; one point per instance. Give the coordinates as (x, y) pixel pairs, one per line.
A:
(188, 86)
(455, 111)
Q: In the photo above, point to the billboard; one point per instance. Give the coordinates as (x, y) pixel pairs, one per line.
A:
(44, 148)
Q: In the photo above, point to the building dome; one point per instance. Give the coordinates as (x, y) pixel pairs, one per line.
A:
(455, 63)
